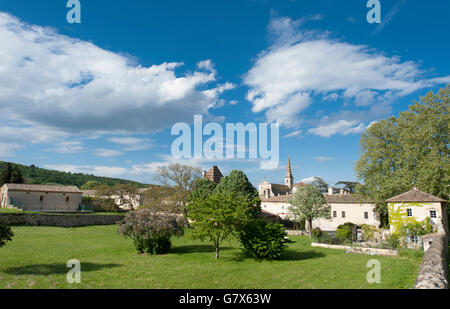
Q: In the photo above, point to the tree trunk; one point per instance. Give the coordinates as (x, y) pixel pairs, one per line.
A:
(310, 228)
(217, 250)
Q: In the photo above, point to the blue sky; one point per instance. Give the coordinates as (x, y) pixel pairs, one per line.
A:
(100, 97)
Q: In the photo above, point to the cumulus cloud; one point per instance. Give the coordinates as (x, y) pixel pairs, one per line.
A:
(106, 153)
(131, 143)
(54, 81)
(300, 68)
(343, 127)
(67, 147)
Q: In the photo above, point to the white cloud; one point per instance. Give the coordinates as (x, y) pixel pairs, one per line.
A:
(106, 171)
(300, 64)
(343, 127)
(295, 133)
(131, 143)
(67, 147)
(54, 81)
(106, 153)
(308, 180)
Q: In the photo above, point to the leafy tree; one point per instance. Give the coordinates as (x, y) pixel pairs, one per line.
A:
(182, 178)
(90, 185)
(203, 188)
(320, 184)
(410, 150)
(349, 186)
(309, 204)
(6, 234)
(216, 217)
(6, 174)
(237, 183)
(16, 175)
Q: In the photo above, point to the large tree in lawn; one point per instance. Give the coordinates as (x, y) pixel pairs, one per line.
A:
(215, 217)
(237, 183)
(308, 203)
(406, 151)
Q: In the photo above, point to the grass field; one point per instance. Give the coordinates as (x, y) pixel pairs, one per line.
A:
(37, 257)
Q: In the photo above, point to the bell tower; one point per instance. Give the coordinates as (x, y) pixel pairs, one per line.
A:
(289, 179)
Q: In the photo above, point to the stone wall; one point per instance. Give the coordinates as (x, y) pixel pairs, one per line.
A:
(58, 220)
(433, 273)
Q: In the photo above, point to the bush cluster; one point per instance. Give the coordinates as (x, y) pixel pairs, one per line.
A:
(150, 231)
(100, 204)
(347, 231)
(6, 234)
(262, 240)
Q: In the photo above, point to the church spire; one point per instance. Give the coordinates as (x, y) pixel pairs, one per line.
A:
(289, 179)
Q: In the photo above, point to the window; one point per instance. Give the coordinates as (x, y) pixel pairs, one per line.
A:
(433, 214)
(335, 214)
(343, 214)
(67, 198)
(42, 198)
(409, 212)
(366, 215)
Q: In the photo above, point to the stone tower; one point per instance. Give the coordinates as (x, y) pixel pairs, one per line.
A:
(289, 179)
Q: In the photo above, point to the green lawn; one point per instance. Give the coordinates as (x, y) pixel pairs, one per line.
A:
(37, 257)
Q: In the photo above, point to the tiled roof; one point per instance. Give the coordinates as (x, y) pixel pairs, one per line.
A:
(280, 189)
(214, 174)
(42, 188)
(415, 195)
(279, 199)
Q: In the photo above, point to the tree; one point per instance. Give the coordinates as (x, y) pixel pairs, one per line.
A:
(202, 188)
(5, 234)
(6, 174)
(320, 184)
(216, 217)
(90, 185)
(16, 175)
(182, 178)
(237, 183)
(309, 204)
(410, 150)
(349, 186)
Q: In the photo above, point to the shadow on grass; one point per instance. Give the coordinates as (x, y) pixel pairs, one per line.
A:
(54, 269)
(287, 255)
(196, 249)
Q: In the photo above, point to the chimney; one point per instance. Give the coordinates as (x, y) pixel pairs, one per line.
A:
(330, 191)
(204, 174)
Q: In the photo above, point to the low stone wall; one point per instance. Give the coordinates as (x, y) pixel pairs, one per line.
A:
(62, 220)
(433, 273)
(360, 250)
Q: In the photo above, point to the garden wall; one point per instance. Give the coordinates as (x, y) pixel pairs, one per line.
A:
(433, 273)
(62, 220)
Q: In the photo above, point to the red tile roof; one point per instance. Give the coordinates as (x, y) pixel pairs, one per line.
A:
(415, 195)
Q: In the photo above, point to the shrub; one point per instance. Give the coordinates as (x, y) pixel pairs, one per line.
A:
(151, 232)
(262, 240)
(392, 241)
(347, 231)
(316, 233)
(369, 232)
(5, 234)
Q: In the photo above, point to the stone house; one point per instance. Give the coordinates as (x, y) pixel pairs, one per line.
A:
(41, 198)
(417, 206)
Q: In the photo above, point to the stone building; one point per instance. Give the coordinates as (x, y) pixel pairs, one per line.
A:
(416, 206)
(214, 174)
(41, 198)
